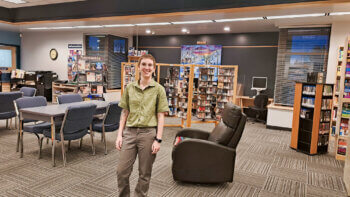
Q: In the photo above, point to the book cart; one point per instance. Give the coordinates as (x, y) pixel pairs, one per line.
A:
(341, 98)
(311, 117)
(200, 102)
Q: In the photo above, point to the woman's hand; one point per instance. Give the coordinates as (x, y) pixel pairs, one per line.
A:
(155, 147)
(119, 142)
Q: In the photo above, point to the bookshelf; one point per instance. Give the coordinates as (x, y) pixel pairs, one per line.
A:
(342, 101)
(190, 97)
(347, 169)
(311, 117)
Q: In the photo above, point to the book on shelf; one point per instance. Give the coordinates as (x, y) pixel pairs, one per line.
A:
(90, 76)
(342, 147)
(308, 102)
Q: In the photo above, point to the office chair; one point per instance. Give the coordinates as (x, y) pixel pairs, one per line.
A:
(259, 109)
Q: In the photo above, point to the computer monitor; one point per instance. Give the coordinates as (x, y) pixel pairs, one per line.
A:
(259, 84)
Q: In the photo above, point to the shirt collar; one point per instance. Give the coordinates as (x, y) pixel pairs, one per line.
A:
(151, 84)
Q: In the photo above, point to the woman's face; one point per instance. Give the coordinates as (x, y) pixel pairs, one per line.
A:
(146, 68)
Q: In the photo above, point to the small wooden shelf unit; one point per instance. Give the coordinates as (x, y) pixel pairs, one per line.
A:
(310, 120)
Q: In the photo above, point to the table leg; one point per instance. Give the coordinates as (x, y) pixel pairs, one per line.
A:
(63, 150)
(241, 104)
(53, 132)
(92, 140)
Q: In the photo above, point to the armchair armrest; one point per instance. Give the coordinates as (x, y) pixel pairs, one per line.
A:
(202, 161)
(193, 133)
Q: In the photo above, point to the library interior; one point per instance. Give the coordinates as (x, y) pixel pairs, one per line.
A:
(252, 98)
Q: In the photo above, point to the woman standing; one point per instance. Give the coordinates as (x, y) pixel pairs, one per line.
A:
(140, 131)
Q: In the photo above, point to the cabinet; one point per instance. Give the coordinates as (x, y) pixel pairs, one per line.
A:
(311, 117)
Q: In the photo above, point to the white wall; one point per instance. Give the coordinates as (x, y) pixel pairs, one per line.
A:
(339, 34)
(35, 48)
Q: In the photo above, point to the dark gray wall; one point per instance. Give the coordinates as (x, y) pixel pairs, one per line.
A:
(255, 56)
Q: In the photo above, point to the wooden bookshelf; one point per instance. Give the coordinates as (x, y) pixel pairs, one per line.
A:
(347, 168)
(60, 88)
(311, 117)
(130, 73)
(341, 100)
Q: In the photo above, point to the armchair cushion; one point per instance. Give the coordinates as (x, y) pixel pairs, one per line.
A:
(202, 161)
(231, 115)
(37, 128)
(97, 126)
(67, 136)
(221, 134)
(7, 115)
(193, 133)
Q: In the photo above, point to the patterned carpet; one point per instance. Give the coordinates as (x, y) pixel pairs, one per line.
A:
(265, 166)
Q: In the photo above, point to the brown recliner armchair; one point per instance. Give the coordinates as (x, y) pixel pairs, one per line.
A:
(204, 157)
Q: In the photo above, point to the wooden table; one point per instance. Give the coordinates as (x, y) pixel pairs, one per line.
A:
(246, 101)
(52, 114)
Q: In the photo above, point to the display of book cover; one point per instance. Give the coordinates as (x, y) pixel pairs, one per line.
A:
(172, 89)
(184, 76)
(206, 93)
(88, 70)
(224, 89)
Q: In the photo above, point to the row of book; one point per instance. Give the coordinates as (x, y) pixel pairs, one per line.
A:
(327, 90)
(346, 110)
(342, 147)
(326, 104)
(325, 116)
(308, 101)
(324, 128)
(309, 89)
(347, 88)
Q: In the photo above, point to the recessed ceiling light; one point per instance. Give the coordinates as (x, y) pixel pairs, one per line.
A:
(153, 32)
(88, 26)
(184, 30)
(16, 1)
(296, 16)
(239, 19)
(153, 24)
(188, 32)
(191, 22)
(119, 25)
(338, 13)
(38, 28)
(148, 31)
(227, 29)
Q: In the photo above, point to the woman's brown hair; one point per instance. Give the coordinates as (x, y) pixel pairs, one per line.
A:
(147, 56)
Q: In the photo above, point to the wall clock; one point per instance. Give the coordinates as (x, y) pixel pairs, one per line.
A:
(53, 54)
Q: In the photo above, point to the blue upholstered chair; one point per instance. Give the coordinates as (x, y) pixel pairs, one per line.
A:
(75, 125)
(28, 92)
(36, 129)
(109, 123)
(69, 98)
(7, 109)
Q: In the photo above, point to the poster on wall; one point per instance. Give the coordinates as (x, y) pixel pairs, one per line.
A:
(201, 54)
(74, 64)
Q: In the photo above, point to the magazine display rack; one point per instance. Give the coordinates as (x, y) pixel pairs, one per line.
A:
(193, 100)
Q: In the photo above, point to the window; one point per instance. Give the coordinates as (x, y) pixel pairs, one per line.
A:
(300, 51)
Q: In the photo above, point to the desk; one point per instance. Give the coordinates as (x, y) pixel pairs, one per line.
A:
(52, 114)
(246, 101)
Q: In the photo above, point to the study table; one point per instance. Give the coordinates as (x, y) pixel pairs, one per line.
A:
(246, 101)
(52, 114)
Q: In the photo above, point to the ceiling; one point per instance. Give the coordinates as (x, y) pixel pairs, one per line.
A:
(33, 3)
(206, 28)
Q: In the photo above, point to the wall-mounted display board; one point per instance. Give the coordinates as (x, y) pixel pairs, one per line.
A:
(194, 100)
(311, 117)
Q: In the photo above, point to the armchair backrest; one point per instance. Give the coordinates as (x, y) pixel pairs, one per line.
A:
(6, 101)
(261, 100)
(113, 113)
(28, 91)
(229, 131)
(69, 98)
(78, 117)
(27, 102)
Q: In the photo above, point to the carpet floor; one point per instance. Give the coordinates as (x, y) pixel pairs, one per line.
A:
(265, 166)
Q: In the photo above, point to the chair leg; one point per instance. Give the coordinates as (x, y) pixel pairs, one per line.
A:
(81, 143)
(69, 145)
(7, 123)
(63, 153)
(92, 140)
(22, 144)
(40, 141)
(104, 139)
(16, 122)
(10, 127)
(47, 141)
(18, 139)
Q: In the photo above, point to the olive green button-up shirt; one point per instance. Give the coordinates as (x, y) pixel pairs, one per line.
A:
(143, 105)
